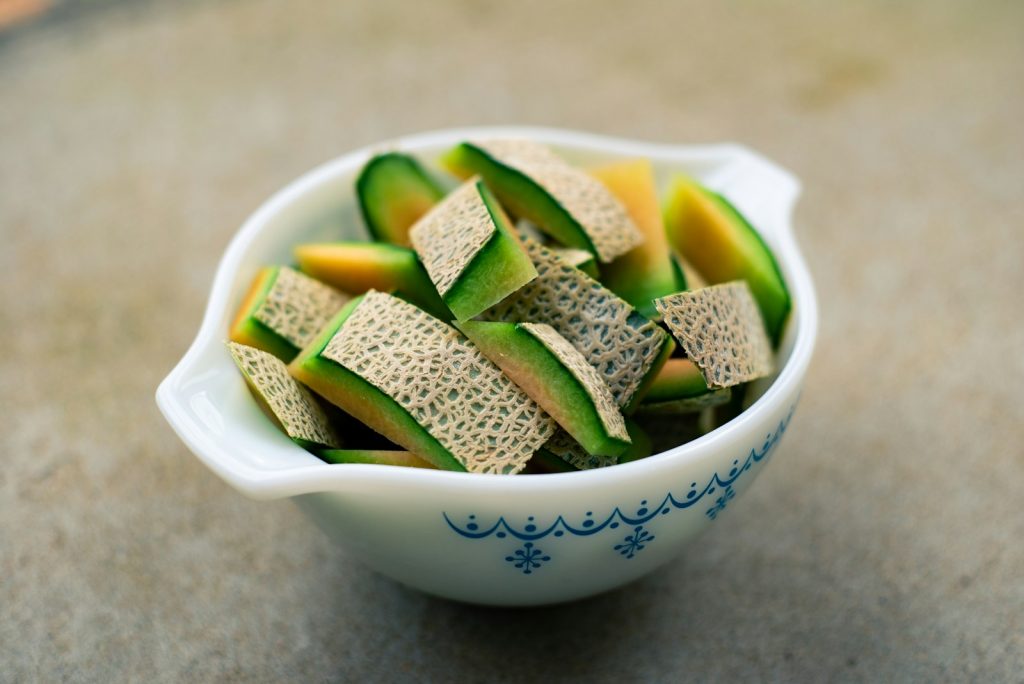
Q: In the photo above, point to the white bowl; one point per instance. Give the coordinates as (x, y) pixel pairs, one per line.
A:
(502, 540)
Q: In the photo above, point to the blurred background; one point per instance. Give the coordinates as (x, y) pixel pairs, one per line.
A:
(882, 544)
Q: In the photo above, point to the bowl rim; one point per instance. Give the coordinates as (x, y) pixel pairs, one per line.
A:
(270, 484)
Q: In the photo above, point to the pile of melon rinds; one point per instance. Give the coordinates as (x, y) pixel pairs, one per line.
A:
(514, 313)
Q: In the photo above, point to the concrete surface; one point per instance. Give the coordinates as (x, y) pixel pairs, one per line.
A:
(883, 543)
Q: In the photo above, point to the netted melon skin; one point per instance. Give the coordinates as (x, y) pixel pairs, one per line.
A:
(291, 403)
(470, 252)
(445, 384)
(587, 376)
(296, 307)
(596, 211)
(451, 234)
(621, 344)
(722, 331)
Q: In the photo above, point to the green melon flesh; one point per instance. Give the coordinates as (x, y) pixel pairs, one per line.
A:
(519, 194)
(627, 348)
(641, 446)
(374, 457)
(356, 267)
(648, 271)
(539, 373)
(497, 269)
(677, 379)
(680, 388)
(362, 400)
(722, 246)
(394, 192)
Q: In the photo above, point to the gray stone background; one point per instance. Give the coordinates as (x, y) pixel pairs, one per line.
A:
(883, 543)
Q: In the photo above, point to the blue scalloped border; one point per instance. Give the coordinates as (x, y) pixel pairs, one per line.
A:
(644, 514)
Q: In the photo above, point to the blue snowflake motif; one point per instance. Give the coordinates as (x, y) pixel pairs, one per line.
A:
(635, 542)
(721, 502)
(528, 558)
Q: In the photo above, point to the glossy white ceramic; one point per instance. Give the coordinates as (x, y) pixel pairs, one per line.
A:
(503, 540)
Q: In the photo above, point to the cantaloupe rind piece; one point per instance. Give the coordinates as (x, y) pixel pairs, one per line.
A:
(677, 379)
(721, 330)
(357, 267)
(421, 384)
(563, 201)
(469, 250)
(554, 374)
(625, 348)
(680, 388)
(394, 192)
(283, 311)
(647, 271)
(291, 405)
(722, 245)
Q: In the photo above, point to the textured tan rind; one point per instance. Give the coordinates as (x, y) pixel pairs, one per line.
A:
(456, 394)
(721, 330)
(448, 237)
(569, 450)
(592, 382)
(601, 216)
(297, 306)
(572, 256)
(620, 343)
(291, 403)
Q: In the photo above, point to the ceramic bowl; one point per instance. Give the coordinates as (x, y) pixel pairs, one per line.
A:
(501, 540)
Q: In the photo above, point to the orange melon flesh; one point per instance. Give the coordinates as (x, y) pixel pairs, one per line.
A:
(722, 246)
(394, 192)
(357, 267)
(245, 330)
(248, 329)
(260, 284)
(647, 271)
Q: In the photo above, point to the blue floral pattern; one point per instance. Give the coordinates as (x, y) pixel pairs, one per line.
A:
(634, 542)
(721, 502)
(529, 557)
